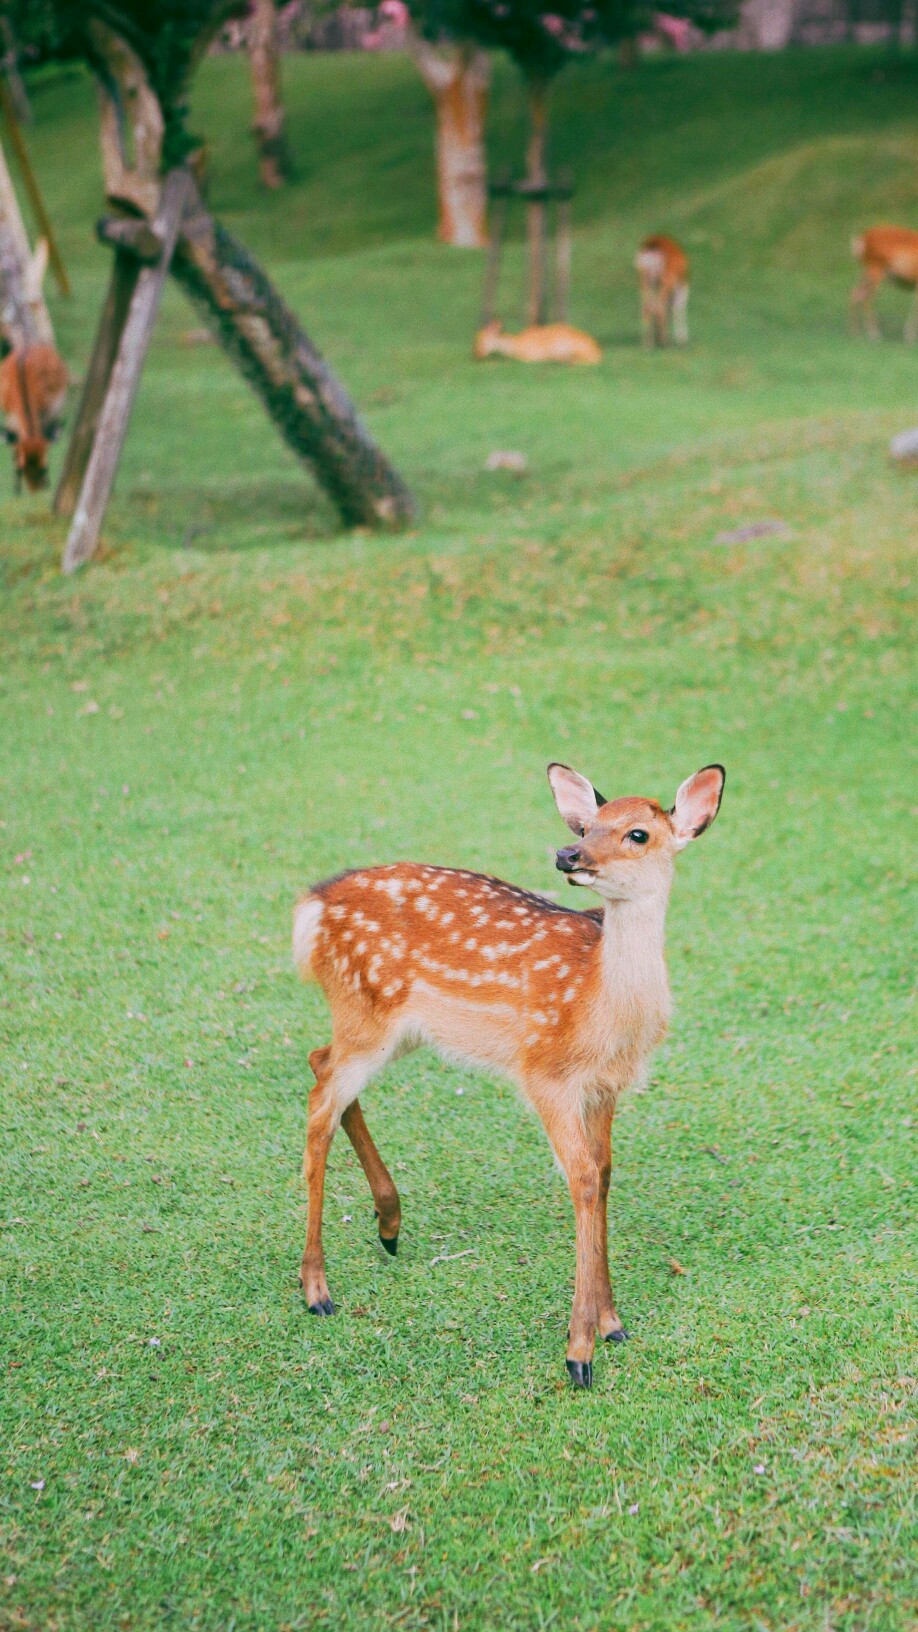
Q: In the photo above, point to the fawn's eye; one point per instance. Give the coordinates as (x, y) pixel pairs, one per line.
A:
(639, 835)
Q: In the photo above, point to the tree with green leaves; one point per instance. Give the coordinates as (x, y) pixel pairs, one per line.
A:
(542, 36)
(144, 54)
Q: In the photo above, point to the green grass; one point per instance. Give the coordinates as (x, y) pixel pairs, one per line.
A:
(235, 700)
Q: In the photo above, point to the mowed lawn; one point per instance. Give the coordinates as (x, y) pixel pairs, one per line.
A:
(237, 699)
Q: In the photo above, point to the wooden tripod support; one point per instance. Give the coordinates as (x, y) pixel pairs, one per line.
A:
(535, 196)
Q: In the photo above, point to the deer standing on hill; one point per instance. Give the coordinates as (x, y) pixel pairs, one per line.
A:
(33, 391)
(663, 275)
(569, 1005)
(884, 252)
(542, 343)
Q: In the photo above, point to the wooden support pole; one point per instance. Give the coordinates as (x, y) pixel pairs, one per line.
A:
(562, 258)
(132, 234)
(125, 377)
(36, 200)
(495, 246)
(123, 282)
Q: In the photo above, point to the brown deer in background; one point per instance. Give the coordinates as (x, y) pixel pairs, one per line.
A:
(663, 275)
(33, 391)
(569, 1005)
(884, 252)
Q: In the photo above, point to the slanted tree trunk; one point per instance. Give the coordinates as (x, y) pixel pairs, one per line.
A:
(458, 78)
(537, 176)
(24, 316)
(268, 123)
(309, 406)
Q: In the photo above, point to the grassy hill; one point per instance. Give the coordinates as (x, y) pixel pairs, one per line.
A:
(236, 698)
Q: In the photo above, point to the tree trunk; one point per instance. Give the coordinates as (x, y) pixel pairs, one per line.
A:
(24, 316)
(309, 406)
(458, 79)
(30, 182)
(536, 175)
(268, 124)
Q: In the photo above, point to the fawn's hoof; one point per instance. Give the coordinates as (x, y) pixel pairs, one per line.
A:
(390, 1242)
(323, 1307)
(580, 1373)
(619, 1336)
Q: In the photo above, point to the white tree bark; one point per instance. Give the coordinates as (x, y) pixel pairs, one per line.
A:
(767, 25)
(458, 78)
(24, 316)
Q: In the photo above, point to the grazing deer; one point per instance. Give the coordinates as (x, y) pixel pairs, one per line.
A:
(569, 1005)
(542, 343)
(33, 390)
(884, 252)
(662, 268)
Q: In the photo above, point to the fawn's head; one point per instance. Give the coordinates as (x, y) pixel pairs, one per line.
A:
(30, 460)
(487, 338)
(626, 847)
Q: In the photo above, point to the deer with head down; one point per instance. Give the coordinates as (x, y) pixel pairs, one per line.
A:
(569, 1005)
(33, 391)
(663, 276)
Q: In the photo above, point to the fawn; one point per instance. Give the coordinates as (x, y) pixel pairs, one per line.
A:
(33, 390)
(542, 343)
(662, 268)
(569, 1005)
(884, 252)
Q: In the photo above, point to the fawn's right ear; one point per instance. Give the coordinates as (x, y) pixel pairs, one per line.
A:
(575, 797)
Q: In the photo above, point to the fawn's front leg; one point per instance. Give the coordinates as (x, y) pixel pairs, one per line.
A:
(568, 1135)
(599, 1134)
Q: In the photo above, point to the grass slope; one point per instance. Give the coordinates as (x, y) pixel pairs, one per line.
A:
(235, 700)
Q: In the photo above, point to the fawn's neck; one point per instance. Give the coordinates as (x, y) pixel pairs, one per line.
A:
(633, 964)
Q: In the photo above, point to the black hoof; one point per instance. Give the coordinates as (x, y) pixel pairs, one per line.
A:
(390, 1242)
(326, 1307)
(580, 1373)
(621, 1336)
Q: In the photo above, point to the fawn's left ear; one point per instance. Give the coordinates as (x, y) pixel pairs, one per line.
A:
(697, 803)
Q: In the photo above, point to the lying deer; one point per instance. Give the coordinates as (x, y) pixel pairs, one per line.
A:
(542, 343)
(662, 268)
(884, 252)
(33, 391)
(569, 1005)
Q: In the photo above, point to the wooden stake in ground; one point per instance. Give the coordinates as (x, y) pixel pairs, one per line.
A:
(125, 272)
(125, 377)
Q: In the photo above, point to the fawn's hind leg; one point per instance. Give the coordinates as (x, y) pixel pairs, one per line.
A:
(338, 1082)
(385, 1195)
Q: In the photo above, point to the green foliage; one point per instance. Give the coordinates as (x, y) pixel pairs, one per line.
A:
(235, 700)
(542, 36)
(169, 37)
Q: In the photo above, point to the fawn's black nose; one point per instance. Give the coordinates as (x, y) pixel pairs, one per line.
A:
(567, 859)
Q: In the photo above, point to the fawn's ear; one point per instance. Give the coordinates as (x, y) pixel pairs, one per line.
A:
(575, 797)
(697, 803)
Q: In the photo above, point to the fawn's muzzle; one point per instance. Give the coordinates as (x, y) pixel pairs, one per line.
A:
(568, 859)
